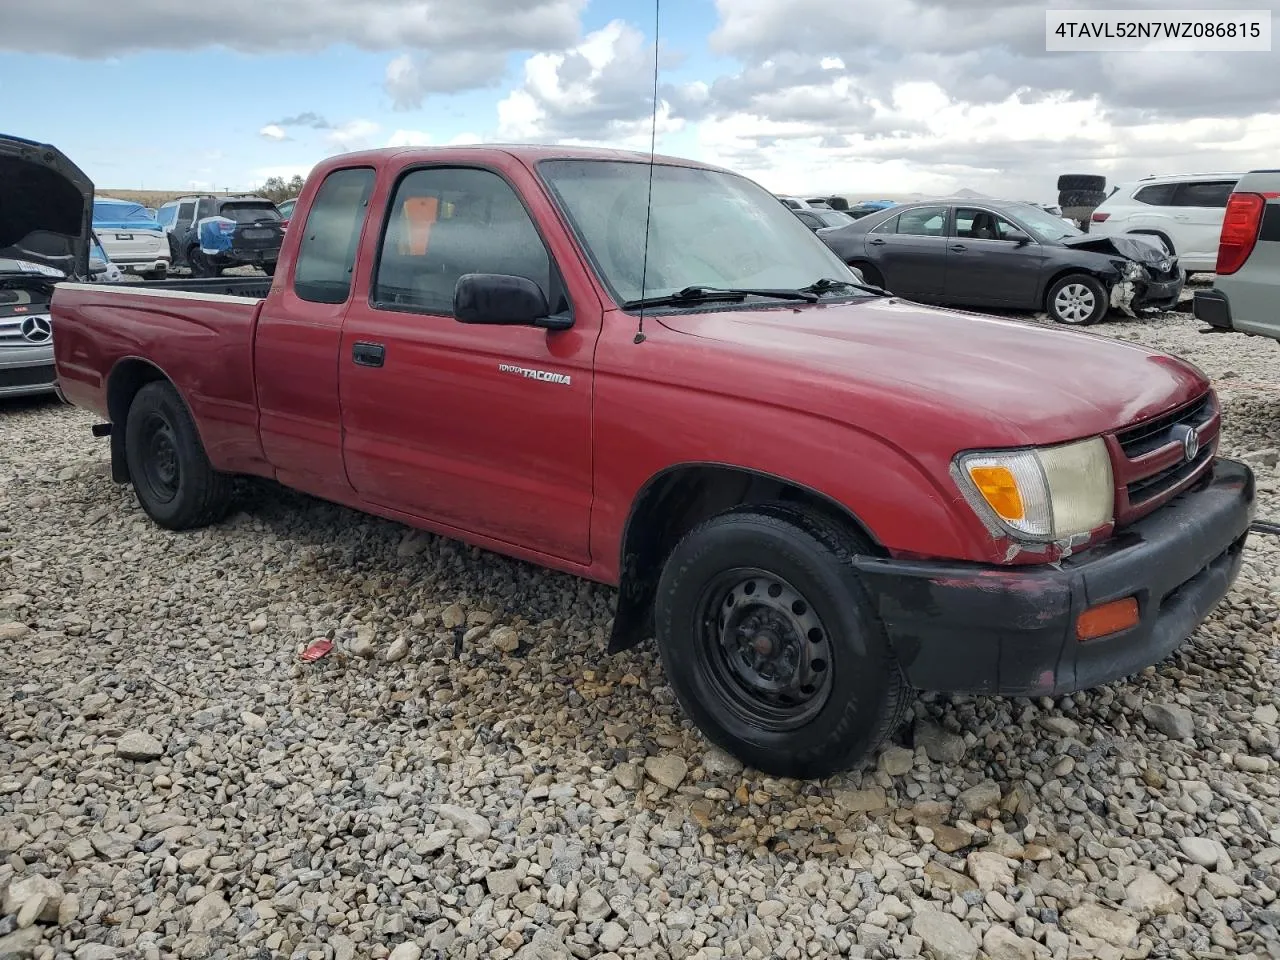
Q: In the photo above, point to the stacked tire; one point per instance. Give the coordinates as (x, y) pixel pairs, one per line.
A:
(1079, 194)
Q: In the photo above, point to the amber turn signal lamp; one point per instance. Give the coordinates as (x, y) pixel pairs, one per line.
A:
(999, 488)
(1107, 618)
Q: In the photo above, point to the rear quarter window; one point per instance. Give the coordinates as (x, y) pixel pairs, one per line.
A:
(1156, 195)
(1203, 193)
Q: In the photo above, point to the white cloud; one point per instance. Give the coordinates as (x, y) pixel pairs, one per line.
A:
(273, 131)
(352, 135)
(599, 92)
(409, 138)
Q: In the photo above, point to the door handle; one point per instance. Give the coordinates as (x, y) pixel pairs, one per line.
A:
(877, 242)
(368, 354)
(959, 247)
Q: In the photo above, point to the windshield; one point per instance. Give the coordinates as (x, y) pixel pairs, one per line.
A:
(249, 212)
(707, 229)
(1046, 226)
(119, 212)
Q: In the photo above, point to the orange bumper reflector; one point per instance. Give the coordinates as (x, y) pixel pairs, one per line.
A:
(1107, 618)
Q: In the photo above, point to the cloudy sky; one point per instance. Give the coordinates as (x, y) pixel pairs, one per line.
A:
(851, 96)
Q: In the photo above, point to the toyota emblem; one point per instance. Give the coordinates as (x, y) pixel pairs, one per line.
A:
(1190, 442)
(37, 330)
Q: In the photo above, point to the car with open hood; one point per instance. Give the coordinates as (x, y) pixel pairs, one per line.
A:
(1006, 254)
(45, 210)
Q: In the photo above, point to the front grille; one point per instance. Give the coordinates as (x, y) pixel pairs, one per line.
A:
(1153, 434)
(39, 376)
(1149, 461)
(1169, 477)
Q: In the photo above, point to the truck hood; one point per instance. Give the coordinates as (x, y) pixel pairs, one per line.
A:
(46, 207)
(1015, 382)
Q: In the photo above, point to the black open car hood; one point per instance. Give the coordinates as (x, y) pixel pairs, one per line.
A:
(1145, 250)
(46, 207)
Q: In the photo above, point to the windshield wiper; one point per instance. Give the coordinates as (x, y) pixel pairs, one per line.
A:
(827, 284)
(699, 294)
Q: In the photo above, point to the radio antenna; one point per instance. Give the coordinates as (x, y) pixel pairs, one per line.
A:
(653, 144)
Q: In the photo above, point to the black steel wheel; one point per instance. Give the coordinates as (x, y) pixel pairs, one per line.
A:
(771, 645)
(171, 474)
(199, 263)
(768, 648)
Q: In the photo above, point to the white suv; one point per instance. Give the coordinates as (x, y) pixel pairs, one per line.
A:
(1184, 212)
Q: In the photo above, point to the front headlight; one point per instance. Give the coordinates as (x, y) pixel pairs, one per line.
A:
(1047, 493)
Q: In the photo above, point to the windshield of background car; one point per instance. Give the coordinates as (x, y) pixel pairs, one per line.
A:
(706, 228)
(1045, 226)
(121, 212)
(249, 212)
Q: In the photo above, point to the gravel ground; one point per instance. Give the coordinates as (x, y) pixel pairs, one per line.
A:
(466, 775)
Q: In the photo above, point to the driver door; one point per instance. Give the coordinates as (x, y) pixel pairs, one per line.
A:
(485, 429)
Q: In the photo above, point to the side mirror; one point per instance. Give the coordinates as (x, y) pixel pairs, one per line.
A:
(501, 300)
(1019, 238)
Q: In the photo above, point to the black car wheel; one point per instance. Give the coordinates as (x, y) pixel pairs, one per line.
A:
(770, 642)
(172, 476)
(1081, 181)
(1077, 299)
(269, 268)
(199, 263)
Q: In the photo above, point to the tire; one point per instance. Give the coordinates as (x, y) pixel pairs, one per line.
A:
(1077, 300)
(1081, 181)
(783, 576)
(171, 474)
(269, 268)
(869, 273)
(1080, 198)
(200, 265)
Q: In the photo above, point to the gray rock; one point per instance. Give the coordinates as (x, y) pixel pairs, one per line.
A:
(1092, 920)
(668, 770)
(21, 944)
(940, 746)
(593, 906)
(613, 936)
(208, 913)
(503, 883)
(717, 763)
(1147, 892)
(977, 799)
(398, 650)
(139, 745)
(96, 951)
(1001, 943)
(1203, 851)
(944, 936)
(406, 951)
(110, 846)
(35, 888)
(1173, 721)
(505, 639)
(897, 761)
(469, 823)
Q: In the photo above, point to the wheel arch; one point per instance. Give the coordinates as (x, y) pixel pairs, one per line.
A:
(676, 499)
(128, 376)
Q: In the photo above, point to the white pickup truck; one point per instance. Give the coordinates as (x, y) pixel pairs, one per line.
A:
(1245, 297)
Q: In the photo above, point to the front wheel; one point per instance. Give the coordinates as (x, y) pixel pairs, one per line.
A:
(199, 263)
(770, 643)
(171, 474)
(1077, 300)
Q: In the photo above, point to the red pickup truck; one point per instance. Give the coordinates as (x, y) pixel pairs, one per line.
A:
(816, 496)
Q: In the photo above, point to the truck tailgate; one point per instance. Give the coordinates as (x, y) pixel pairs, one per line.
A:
(104, 334)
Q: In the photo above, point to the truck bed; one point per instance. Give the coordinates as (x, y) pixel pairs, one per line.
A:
(256, 287)
(196, 333)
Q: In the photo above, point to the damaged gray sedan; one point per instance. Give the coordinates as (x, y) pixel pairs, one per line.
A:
(996, 253)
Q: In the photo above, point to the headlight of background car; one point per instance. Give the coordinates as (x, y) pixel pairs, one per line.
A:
(1050, 493)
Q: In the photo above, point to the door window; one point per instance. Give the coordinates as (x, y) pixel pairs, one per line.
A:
(186, 211)
(166, 215)
(330, 236)
(1203, 193)
(922, 222)
(445, 222)
(974, 224)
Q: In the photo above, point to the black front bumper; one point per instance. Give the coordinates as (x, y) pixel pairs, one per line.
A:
(1159, 295)
(970, 629)
(1212, 307)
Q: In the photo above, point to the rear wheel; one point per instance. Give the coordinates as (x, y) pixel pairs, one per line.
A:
(200, 265)
(769, 640)
(171, 474)
(1078, 300)
(269, 268)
